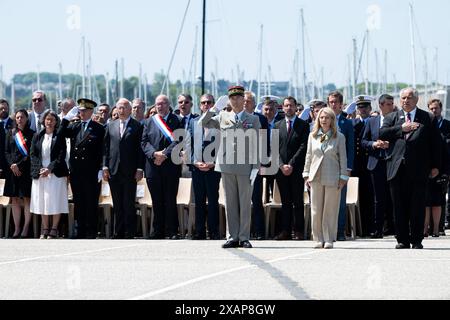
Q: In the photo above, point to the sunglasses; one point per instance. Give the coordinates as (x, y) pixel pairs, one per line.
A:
(37, 100)
(206, 102)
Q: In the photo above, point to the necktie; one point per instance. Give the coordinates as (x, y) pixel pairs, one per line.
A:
(236, 118)
(83, 124)
(122, 128)
(185, 121)
(38, 123)
(289, 126)
(408, 120)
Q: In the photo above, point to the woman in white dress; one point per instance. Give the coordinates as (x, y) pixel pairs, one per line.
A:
(49, 172)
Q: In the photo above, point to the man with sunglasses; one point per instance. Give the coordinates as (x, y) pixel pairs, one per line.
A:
(185, 107)
(39, 100)
(185, 116)
(204, 179)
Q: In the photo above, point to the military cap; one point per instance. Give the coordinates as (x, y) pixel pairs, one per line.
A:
(236, 91)
(363, 101)
(86, 104)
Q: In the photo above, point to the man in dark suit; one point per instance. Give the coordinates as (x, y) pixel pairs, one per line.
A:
(270, 112)
(377, 149)
(415, 154)
(163, 176)
(345, 126)
(6, 123)
(435, 107)
(123, 164)
(205, 180)
(293, 139)
(185, 116)
(86, 141)
(363, 107)
(258, 210)
(39, 101)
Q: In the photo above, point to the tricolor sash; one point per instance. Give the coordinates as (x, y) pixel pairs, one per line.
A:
(21, 144)
(163, 127)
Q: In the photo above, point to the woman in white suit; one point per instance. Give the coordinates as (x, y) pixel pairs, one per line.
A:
(325, 174)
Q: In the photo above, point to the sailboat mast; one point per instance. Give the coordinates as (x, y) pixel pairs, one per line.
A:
(367, 63)
(60, 82)
(260, 62)
(122, 76)
(38, 78)
(83, 80)
(140, 81)
(303, 57)
(107, 87)
(203, 46)
(13, 95)
(413, 50)
(355, 68)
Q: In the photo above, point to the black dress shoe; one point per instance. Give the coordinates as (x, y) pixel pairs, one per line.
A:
(174, 237)
(417, 246)
(214, 236)
(283, 236)
(402, 246)
(230, 244)
(376, 235)
(245, 244)
(199, 237)
(260, 237)
(156, 236)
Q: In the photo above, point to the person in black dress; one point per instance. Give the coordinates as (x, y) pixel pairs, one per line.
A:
(18, 178)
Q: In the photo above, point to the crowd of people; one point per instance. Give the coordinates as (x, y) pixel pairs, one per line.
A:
(316, 149)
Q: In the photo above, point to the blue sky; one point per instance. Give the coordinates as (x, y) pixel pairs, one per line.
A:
(36, 33)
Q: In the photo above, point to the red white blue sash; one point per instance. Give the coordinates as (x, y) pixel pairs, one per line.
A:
(21, 144)
(163, 127)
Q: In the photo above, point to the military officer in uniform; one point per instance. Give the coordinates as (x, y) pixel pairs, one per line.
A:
(86, 138)
(238, 170)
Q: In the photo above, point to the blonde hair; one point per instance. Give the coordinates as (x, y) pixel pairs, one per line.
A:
(329, 112)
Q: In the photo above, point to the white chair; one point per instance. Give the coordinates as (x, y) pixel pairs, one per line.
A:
(184, 201)
(307, 214)
(4, 204)
(352, 202)
(268, 208)
(145, 205)
(105, 202)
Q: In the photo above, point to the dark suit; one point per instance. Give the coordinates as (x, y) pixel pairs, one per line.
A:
(85, 162)
(346, 128)
(57, 165)
(411, 157)
(382, 204)
(5, 125)
(123, 157)
(361, 157)
(258, 210)
(205, 183)
(293, 148)
(162, 180)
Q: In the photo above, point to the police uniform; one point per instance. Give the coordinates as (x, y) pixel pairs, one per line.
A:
(85, 162)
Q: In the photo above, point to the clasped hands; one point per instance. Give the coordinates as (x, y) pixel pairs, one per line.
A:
(159, 157)
(409, 127)
(379, 144)
(204, 167)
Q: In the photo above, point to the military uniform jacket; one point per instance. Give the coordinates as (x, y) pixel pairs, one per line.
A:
(227, 124)
(86, 147)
